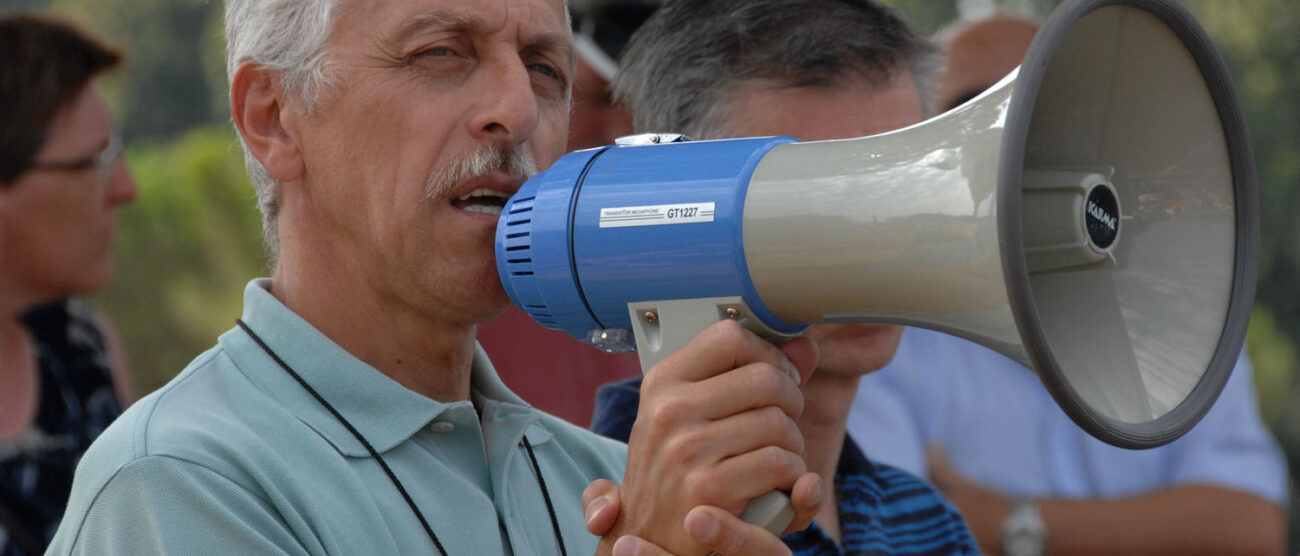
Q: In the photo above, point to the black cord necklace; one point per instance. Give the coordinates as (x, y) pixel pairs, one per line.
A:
(555, 523)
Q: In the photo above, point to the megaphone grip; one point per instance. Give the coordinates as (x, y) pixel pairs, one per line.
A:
(771, 511)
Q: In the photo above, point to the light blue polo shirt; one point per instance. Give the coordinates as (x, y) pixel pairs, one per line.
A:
(233, 456)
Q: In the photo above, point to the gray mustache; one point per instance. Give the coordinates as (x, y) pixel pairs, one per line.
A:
(511, 160)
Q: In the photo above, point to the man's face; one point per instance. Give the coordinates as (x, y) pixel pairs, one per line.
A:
(422, 85)
(851, 109)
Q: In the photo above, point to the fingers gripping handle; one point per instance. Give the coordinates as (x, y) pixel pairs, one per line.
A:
(663, 327)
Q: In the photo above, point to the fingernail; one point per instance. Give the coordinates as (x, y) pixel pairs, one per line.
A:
(816, 497)
(793, 371)
(702, 526)
(625, 546)
(594, 508)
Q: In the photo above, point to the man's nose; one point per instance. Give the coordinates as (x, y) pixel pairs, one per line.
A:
(508, 110)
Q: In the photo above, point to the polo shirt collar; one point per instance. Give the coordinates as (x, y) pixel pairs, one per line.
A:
(382, 410)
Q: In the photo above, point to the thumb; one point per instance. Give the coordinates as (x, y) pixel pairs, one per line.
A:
(726, 534)
(803, 353)
(636, 546)
(601, 506)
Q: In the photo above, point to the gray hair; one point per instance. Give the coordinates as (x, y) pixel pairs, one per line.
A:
(682, 64)
(287, 37)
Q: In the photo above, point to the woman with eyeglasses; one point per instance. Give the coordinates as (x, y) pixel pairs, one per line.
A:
(61, 181)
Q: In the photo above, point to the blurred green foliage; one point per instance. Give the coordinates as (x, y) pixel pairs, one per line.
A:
(192, 239)
(1260, 41)
(187, 246)
(174, 76)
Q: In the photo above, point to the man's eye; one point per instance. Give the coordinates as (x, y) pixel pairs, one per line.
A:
(437, 52)
(547, 71)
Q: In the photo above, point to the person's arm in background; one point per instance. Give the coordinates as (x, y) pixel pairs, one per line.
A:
(1187, 519)
(1229, 485)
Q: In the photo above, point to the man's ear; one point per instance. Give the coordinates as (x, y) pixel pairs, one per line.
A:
(257, 104)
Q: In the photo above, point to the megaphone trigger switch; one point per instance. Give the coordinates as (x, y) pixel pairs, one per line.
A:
(651, 139)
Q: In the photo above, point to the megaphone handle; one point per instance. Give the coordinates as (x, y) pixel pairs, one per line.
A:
(771, 511)
(663, 327)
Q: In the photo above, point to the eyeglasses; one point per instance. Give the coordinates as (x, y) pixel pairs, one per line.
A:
(101, 162)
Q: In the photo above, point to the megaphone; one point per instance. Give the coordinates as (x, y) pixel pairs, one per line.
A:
(1092, 216)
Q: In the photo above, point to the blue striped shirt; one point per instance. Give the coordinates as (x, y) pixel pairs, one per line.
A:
(883, 510)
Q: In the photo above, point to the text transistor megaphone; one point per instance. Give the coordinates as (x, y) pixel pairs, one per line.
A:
(1092, 216)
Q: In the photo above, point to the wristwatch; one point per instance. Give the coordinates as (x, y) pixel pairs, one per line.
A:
(1023, 531)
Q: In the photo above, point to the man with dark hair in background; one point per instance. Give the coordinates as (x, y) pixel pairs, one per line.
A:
(815, 70)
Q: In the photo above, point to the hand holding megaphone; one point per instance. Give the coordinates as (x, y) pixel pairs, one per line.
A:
(717, 426)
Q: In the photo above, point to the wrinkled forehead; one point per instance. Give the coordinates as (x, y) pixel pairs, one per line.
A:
(530, 22)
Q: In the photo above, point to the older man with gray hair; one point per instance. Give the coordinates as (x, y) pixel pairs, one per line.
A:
(350, 410)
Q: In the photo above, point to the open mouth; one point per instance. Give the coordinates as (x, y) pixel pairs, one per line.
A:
(483, 200)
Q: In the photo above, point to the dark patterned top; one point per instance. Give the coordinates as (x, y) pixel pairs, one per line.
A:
(883, 510)
(77, 402)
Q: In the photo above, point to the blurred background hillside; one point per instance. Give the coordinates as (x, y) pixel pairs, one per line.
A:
(192, 239)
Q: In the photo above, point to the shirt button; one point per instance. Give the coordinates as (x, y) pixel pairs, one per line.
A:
(442, 426)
